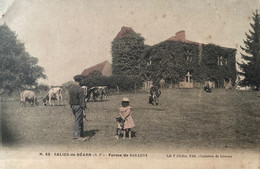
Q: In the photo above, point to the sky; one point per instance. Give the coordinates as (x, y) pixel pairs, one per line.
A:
(68, 36)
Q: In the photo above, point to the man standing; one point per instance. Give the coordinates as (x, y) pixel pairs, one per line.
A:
(155, 94)
(78, 106)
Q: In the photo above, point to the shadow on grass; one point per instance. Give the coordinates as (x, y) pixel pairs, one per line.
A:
(90, 133)
(152, 108)
(91, 101)
(61, 105)
(56, 105)
(7, 135)
(133, 134)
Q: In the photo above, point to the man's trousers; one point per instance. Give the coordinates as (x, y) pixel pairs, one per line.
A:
(78, 126)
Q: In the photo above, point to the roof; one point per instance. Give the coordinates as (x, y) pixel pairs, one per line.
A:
(103, 67)
(124, 31)
(180, 36)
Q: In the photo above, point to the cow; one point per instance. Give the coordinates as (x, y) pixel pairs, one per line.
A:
(155, 94)
(53, 94)
(95, 93)
(105, 91)
(92, 93)
(100, 93)
(28, 96)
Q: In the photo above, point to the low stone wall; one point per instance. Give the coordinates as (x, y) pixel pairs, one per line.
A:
(186, 85)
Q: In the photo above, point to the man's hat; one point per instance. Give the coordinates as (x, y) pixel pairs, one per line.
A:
(125, 99)
(77, 78)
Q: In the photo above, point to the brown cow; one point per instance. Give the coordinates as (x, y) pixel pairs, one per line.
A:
(28, 96)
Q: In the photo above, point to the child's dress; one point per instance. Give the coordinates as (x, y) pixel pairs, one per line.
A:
(126, 114)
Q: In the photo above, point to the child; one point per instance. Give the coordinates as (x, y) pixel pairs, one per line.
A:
(126, 115)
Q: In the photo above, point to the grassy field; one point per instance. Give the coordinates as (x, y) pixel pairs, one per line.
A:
(186, 118)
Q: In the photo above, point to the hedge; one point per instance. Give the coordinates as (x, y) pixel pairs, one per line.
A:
(124, 82)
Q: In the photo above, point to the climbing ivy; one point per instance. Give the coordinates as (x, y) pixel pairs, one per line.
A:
(220, 63)
(172, 60)
(126, 54)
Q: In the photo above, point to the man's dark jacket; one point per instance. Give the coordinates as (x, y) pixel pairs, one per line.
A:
(77, 96)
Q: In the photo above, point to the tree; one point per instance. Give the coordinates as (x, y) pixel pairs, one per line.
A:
(127, 52)
(17, 67)
(95, 74)
(251, 68)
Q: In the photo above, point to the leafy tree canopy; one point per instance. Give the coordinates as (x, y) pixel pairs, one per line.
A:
(17, 67)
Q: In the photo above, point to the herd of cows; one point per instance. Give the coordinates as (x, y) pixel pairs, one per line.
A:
(97, 93)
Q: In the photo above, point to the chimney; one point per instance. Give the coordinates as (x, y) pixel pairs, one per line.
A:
(124, 30)
(180, 35)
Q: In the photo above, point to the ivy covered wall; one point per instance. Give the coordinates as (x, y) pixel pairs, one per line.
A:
(220, 63)
(175, 60)
(172, 60)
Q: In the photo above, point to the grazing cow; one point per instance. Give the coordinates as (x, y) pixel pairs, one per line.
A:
(92, 93)
(155, 94)
(28, 96)
(95, 93)
(100, 93)
(53, 94)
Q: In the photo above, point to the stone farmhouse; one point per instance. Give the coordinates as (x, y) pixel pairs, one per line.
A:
(199, 62)
(210, 62)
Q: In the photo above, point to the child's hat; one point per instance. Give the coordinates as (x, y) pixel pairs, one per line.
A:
(125, 99)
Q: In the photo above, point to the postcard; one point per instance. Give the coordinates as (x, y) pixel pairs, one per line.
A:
(129, 84)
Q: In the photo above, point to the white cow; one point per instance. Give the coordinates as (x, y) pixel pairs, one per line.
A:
(53, 94)
(28, 96)
(105, 91)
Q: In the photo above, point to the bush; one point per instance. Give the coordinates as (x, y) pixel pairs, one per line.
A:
(124, 82)
(42, 87)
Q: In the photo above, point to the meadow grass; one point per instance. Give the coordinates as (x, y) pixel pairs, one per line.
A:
(185, 118)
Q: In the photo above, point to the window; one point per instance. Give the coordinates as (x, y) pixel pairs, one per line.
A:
(220, 60)
(149, 62)
(188, 55)
(188, 77)
(226, 62)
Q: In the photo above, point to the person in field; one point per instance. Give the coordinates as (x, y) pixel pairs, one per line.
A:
(208, 86)
(126, 115)
(78, 106)
(155, 94)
